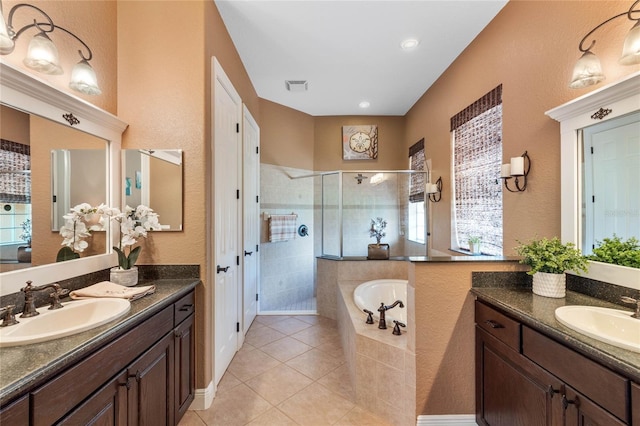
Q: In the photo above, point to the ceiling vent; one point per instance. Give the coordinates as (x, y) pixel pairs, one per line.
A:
(296, 85)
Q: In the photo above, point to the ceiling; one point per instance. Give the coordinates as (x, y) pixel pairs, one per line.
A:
(349, 51)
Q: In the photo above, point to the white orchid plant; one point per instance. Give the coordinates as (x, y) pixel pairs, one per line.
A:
(84, 219)
(376, 230)
(134, 223)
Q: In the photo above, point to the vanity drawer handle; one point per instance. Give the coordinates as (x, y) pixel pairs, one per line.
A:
(186, 308)
(494, 324)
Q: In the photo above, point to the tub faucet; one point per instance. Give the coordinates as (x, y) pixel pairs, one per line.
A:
(382, 309)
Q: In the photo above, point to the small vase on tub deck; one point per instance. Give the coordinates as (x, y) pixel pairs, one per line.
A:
(378, 251)
(549, 285)
(125, 277)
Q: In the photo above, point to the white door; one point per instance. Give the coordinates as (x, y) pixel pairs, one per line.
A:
(612, 173)
(226, 208)
(251, 216)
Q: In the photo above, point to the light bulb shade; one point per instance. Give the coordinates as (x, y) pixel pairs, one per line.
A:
(631, 47)
(6, 43)
(42, 55)
(587, 71)
(83, 79)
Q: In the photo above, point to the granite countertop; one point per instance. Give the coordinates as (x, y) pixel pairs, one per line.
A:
(539, 313)
(432, 259)
(22, 367)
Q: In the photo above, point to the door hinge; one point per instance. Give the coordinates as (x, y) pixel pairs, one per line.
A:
(256, 297)
(257, 150)
(238, 260)
(237, 127)
(257, 198)
(257, 248)
(593, 198)
(237, 194)
(54, 198)
(238, 327)
(592, 150)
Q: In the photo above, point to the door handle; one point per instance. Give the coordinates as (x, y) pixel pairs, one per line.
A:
(248, 253)
(221, 269)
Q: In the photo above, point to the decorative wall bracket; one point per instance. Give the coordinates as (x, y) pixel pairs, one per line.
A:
(71, 119)
(601, 113)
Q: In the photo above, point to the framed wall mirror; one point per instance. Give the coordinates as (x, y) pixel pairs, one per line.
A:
(49, 113)
(614, 106)
(153, 177)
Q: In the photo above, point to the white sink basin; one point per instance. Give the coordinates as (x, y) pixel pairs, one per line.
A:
(76, 316)
(611, 326)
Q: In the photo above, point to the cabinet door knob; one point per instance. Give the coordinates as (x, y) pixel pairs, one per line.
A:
(248, 253)
(494, 324)
(551, 391)
(126, 384)
(566, 402)
(221, 269)
(136, 376)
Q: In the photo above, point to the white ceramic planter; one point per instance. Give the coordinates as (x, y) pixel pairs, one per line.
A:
(549, 285)
(125, 277)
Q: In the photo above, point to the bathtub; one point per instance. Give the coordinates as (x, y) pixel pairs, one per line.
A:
(370, 294)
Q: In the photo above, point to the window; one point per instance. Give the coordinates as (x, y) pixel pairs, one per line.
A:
(416, 208)
(477, 194)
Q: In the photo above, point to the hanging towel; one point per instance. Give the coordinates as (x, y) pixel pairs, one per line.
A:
(282, 227)
(109, 289)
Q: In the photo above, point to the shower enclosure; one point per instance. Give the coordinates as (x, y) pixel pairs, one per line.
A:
(347, 202)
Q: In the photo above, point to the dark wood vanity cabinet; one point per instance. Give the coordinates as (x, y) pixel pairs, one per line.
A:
(144, 377)
(525, 378)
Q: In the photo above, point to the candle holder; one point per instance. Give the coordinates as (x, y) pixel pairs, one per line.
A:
(519, 167)
(435, 191)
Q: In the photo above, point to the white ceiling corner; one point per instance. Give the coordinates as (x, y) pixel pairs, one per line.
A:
(349, 50)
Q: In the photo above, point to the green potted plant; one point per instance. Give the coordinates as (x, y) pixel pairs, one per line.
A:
(378, 251)
(474, 244)
(549, 259)
(617, 252)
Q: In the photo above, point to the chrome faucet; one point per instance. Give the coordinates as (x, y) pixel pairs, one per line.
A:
(627, 299)
(382, 309)
(29, 303)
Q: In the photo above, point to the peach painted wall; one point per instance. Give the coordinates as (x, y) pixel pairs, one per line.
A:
(14, 125)
(530, 48)
(327, 153)
(92, 21)
(286, 136)
(444, 347)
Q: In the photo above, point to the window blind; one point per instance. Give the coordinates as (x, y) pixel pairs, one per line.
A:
(417, 161)
(15, 176)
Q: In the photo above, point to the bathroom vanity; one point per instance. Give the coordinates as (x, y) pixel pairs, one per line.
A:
(136, 370)
(532, 370)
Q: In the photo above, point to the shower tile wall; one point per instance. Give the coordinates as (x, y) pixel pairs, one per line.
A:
(287, 268)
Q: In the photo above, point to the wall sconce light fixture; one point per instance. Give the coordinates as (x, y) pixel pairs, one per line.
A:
(518, 167)
(434, 190)
(588, 71)
(42, 54)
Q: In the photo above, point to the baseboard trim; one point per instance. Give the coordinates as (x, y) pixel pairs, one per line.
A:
(447, 420)
(203, 398)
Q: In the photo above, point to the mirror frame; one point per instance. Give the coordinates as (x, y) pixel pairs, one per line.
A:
(30, 94)
(621, 97)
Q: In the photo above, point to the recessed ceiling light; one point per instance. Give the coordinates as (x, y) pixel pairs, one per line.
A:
(364, 104)
(410, 43)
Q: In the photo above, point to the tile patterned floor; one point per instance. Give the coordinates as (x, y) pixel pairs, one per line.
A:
(290, 371)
